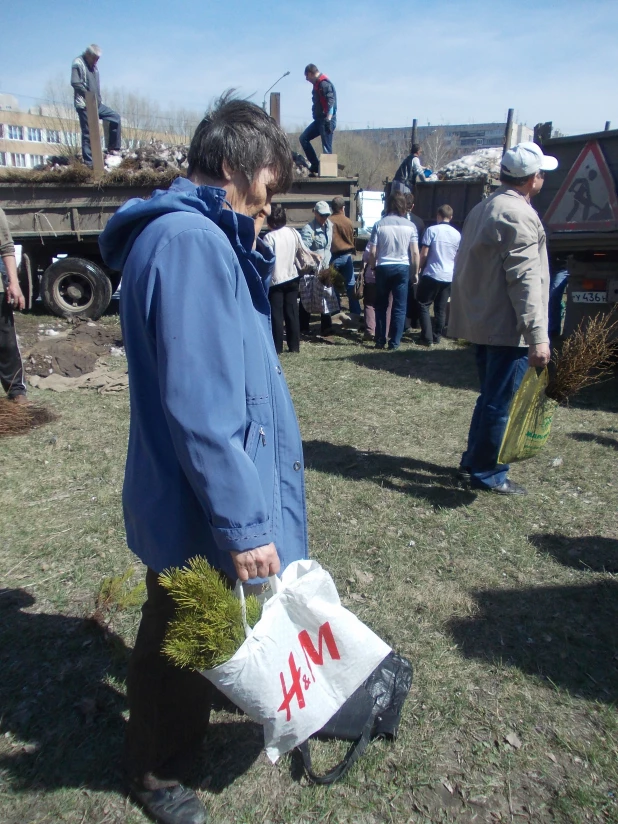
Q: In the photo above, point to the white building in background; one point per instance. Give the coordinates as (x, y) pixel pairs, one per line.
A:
(28, 138)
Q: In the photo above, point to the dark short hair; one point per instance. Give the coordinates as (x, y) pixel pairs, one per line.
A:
(338, 203)
(311, 68)
(277, 217)
(416, 147)
(243, 136)
(505, 177)
(396, 204)
(445, 211)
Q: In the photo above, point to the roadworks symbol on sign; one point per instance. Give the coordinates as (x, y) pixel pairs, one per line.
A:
(587, 199)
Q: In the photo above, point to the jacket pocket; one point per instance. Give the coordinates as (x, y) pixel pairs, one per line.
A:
(256, 438)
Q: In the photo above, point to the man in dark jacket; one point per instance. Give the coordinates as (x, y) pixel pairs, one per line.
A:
(214, 464)
(85, 78)
(324, 113)
(409, 173)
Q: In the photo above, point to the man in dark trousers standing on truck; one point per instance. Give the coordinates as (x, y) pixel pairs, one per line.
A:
(324, 113)
(499, 302)
(85, 78)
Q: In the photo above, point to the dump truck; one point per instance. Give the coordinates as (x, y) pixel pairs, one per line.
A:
(58, 225)
(579, 209)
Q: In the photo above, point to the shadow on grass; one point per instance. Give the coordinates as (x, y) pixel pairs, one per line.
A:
(601, 396)
(447, 367)
(56, 696)
(61, 709)
(590, 552)
(566, 635)
(588, 437)
(436, 484)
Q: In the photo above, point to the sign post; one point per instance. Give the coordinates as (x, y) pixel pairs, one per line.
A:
(92, 111)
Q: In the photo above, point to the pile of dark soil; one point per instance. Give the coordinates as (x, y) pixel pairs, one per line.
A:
(72, 355)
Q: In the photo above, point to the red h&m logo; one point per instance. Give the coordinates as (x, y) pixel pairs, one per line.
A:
(325, 635)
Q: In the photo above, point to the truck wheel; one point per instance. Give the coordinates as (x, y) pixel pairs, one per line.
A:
(75, 287)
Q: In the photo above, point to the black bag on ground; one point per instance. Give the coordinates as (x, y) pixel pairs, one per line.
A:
(373, 711)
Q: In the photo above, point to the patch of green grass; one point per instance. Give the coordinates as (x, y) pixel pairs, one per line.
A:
(506, 607)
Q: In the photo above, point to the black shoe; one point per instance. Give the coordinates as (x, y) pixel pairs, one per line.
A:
(508, 488)
(423, 342)
(464, 474)
(379, 346)
(170, 805)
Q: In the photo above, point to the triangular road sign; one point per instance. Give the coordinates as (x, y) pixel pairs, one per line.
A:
(587, 199)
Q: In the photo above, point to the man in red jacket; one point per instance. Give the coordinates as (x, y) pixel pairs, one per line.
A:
(324, 113)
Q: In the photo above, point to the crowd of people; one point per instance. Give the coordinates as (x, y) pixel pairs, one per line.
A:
(392, 264)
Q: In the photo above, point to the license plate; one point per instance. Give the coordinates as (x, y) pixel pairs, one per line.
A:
(589, 297)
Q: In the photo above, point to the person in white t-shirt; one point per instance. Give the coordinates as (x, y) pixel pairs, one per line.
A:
(437, 260)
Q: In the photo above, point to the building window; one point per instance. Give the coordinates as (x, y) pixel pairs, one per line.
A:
(53, 136)
(2, 158)
(34, 134)
(18, 160)
(37, 160)
(16, 132)
(479, 141)
(1, 129)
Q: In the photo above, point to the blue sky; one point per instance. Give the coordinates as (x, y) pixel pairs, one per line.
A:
(447, 62)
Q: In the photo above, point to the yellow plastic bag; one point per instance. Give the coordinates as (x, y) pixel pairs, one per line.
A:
(530, 419)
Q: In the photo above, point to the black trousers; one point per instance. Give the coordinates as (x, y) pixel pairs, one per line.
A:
(11, 367)
(413, 310)
(326, 321)
(437, 292)
(169, 707)
(284, 311)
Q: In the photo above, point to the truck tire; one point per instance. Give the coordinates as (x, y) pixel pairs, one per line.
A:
(75, 287)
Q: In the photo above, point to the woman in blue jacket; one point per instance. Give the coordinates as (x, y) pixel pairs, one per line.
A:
(214, 465)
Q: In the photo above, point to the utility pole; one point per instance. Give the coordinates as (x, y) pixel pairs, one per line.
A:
(507, 132)
(275, 107)
(413, 139)
(92, 112)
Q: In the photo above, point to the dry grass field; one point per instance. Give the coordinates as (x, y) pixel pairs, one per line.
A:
(506, 606)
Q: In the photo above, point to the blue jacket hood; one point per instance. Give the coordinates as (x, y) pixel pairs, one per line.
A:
(118, 237)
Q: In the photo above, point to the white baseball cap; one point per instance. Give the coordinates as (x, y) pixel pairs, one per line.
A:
(322, 208)
(527, 159)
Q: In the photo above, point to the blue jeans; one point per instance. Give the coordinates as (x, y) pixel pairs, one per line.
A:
(391, 278)
(501, 370)
(318, 129)
(557, 285)
(345, 265)
(105, 113)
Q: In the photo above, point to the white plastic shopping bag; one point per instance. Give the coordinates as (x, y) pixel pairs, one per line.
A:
(301, 662)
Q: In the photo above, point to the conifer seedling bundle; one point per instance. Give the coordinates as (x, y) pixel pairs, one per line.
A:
(207, 629)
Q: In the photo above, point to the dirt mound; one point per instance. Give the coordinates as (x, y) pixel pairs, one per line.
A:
(73, 353)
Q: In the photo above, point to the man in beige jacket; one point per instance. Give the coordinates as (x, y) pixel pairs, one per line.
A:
(499, 302)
